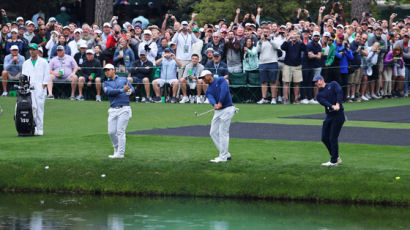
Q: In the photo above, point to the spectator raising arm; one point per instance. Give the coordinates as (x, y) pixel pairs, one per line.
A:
(164, 24)
(236, 20)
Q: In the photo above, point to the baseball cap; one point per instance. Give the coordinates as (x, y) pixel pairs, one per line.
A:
(33, 46)
(326, 34)
(14, 30)
(264, 23)
(317, 78)
(14, 47)
(52, 19)
(204, 73)
(283, 26)
(83, 45)
(13, 23)
(147, 32)
(97, 31)
(195, 30)
(379, 28)
(66, 27)
(305, 30)
(29, 23)
(107, 24)
(63, 8)
(126, 24)
(184, 23)
(138, 26)
(40, 49)
(89, 51)
(19, 18)
(143, 52)
(316, 33)
(60, 47)
(224, 31)
(22, 27)
(209, 49)
(78, 31)
(340, 25)
(108, 66)
(217, 54)
(167, 50)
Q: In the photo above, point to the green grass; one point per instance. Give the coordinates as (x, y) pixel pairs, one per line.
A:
(75, 147)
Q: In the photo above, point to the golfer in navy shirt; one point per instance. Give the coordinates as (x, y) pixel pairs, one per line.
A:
(330, 95)
(118, 90)
(219, 96)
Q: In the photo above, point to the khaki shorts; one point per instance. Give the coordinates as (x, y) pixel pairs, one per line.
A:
(355, 77)
(293, 73)
(182, 68)
(14, 77)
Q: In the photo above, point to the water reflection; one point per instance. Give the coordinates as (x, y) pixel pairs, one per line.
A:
(42, 211)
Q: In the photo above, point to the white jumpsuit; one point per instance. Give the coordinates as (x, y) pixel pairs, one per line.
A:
(39, 75)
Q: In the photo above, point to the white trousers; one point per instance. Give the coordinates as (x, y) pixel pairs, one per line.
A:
(38, 98)
(220, 130)
(117, 123)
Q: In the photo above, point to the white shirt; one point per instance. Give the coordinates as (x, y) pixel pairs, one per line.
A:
(74, 45)
(152, 54)
(197, 48)
(184, 45)
(39, 74)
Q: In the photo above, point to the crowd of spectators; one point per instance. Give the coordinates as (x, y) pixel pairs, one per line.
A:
(370, 58)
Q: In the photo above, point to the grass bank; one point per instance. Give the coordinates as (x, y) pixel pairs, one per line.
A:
(75, 148)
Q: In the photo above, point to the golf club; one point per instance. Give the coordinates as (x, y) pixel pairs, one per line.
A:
(201, 114)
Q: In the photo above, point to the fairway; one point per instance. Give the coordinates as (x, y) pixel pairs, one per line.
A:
(76, 148)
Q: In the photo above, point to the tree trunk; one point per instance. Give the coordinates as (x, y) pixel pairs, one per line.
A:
(358, 7)
(103, 11)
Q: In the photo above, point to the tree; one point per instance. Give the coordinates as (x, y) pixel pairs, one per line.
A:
(358, 7)
(103, 11)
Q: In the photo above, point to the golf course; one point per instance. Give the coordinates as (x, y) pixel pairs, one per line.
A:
(72, 156)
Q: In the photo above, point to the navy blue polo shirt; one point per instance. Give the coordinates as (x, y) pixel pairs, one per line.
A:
(315, 48)
(221, 69)
(293, 52)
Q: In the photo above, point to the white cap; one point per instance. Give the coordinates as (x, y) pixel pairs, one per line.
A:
(52, 19)
(15, 30)
(147, 32)
(204, 73)
(108, 66)
(97, 31)
(340, 25)
(316, 33)
(89, 51)
(29, 22)
(126, 24)
(107, 24)
(78, 30)
(40, 49)
(326, 34)
(19, 18)
(184, 23)
(83, 45)
(55, 32)
(14, 47)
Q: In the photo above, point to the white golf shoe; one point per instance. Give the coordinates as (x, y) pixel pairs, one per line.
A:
(114, 156)
(327, 164)
(218, 159)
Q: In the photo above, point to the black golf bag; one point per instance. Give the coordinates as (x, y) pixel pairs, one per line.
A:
(23, 116)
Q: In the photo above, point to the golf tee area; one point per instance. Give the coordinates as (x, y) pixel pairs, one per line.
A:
(168, 152)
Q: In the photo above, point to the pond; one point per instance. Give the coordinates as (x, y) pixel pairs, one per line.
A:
(52, 211)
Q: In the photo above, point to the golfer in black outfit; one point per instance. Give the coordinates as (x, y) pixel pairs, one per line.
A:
(330, 95)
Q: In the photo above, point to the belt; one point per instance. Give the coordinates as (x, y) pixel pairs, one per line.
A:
(118, 107)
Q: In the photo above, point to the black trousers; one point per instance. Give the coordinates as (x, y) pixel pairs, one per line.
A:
(330, 133)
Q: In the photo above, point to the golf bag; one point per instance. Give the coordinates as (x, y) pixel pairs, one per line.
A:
(23, 116)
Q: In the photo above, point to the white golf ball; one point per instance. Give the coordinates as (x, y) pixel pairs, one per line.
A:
(46, 167)
(102, 175)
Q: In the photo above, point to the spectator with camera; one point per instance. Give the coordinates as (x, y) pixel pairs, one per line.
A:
(123, 56)
(90, 72)
(268, 66)
(141, 71)
(233, 53)
(60, 42)
(343, 55)
(63, 68)
(216, 44)
(292, 69)
(97, 40)
(355, 77)
(404, 44)
(168, 64)
(149, 46)
(311, 68)
(13, 63)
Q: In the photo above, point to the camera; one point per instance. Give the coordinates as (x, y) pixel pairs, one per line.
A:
(281, 33)
(117, 32)
(303, 11)
(369, 14)
(147, 48)
(323, 7)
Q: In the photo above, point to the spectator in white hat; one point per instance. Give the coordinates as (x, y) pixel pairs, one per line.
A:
(149, 46)
(75, 44)
(14, 40)
(29, 34)
(12, 67)
(90, 74)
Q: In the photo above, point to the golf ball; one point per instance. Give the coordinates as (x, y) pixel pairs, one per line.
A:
(102, 175)
(397, 178)
(46, 167)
